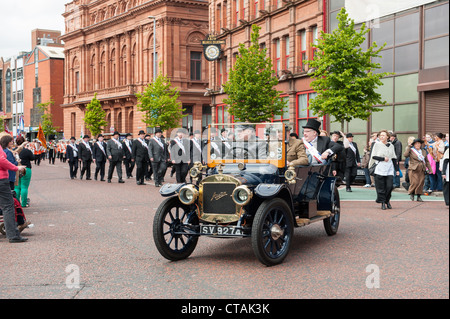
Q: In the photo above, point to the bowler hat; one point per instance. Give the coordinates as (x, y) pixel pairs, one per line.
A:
(73, 138)
(129, 134)
(116, 133)
(417, 140)
(313, 124)
(141, 132)
(100, 135)
(349, 135)
(86, 136)
(336, 132)
(158, 130)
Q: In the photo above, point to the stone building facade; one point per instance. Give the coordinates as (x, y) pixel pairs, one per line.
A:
(109, 51)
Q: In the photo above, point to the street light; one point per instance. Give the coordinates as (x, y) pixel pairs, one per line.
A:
(154, 46)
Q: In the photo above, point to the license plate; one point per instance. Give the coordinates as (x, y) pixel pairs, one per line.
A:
(217, 230)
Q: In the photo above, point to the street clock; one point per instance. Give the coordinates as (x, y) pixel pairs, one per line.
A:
(211, 47)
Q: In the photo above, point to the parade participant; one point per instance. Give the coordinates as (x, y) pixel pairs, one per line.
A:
(383, 154)
(417, 168)
(180, 154)
(85, 156)
(6, 197)
(72, 156)
(159, 154)
(128, 156)
(149, 173)
(37, 153)
(64, 151)
(141, 157)
(51, 152)
(21, 189)
(353, 161)
(99, 157)
(318, 148)
(114, 151)
(339, 159)
(296, 152)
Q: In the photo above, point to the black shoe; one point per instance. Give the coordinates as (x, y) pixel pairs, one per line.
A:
(109, 181)
(88, 179)
(121, 181)
(383, 206)
(18, 240)
(95, 177)
(102, 180)
(81, 177)
(419, 199)
(349, 189)
(139, 183)
(412, 197)
(388, 205)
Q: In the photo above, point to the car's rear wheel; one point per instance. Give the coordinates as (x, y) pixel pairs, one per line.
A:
(272, 231)
(331, 223)
(171, 230)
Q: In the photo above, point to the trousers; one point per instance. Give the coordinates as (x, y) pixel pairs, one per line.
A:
(384, 186)
(22, 188)
(7, 206)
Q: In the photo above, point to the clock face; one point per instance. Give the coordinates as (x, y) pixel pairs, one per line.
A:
(212, 52)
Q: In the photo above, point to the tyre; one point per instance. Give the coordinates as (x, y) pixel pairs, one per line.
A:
(331, 223)
(171, 230)
(272, 231)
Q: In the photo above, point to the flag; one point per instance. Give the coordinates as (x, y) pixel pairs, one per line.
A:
(41, 137)
(7, 130)
(21, 124)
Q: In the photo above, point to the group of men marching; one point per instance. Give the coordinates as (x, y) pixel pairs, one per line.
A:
(151, 155)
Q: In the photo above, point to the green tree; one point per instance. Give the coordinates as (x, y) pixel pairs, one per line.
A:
(47, 118)
(250, 88)
(343, 73)
(94, 117)
(159, 104)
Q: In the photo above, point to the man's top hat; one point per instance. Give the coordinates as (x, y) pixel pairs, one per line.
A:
(313, 124)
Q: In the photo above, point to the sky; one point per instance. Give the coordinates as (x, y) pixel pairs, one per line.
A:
(19, 17)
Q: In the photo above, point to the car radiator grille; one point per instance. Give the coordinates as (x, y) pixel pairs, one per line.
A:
(217, 198)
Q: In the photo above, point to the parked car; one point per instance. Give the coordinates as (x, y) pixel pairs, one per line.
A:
(246, 190)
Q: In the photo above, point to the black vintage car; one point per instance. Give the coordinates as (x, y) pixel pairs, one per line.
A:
(246, 190)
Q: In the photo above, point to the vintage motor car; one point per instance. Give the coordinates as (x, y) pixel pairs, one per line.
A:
(245, 190)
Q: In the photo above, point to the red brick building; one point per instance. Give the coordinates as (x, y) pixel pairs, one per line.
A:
(109, 51)
(43, 81)
(288, 29)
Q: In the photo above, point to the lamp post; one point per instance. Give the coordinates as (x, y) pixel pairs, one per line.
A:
(154, 46)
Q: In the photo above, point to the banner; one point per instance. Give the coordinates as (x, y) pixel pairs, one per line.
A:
(41, 136)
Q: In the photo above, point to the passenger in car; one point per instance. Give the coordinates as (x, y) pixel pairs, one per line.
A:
(318, 148)
(296, 152)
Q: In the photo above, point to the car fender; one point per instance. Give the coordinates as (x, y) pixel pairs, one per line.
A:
(170, 189)
(265, 191)
(325, 197)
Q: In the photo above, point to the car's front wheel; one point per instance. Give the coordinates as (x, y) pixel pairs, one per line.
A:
(272, 231)
(171, 230)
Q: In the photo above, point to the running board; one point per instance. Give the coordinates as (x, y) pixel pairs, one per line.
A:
(321, 215)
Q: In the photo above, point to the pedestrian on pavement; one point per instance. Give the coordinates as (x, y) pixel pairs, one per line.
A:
(398, 152)
(445, 174)
(339, 159)
(141, 157)
(437, 154)
(353, 162)
(383, 154)
(72, 157)
(85, 156)
(417, 168)
(128, 156)
(114, 151)
(99, 157)
(159, 154)
(25, 156)
(6, 197)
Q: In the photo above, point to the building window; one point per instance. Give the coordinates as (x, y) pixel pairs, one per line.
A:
(188, 120)
(303, 112)
(77, 82)
(8, 90)
(315, 36)
(206, 116)
(277, 56)
(302, 50)
(436, 36)
(196, 66)
(222, 116)
(286, 57)
(285, 116)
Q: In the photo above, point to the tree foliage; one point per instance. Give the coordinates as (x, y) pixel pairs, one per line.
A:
(343, 73)
(250, 88)
(94, 117)
(159, 104)
(47, 117)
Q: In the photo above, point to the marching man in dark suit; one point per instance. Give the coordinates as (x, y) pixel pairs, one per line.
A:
(159, 154)
(353, 161)
(318, 148)
(141, 157)
(99, 157)
(85, 156)
(114, 151)
(180, 155)
(128, 156)
(72, 155)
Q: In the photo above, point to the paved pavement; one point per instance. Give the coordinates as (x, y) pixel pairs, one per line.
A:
(94, 240)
